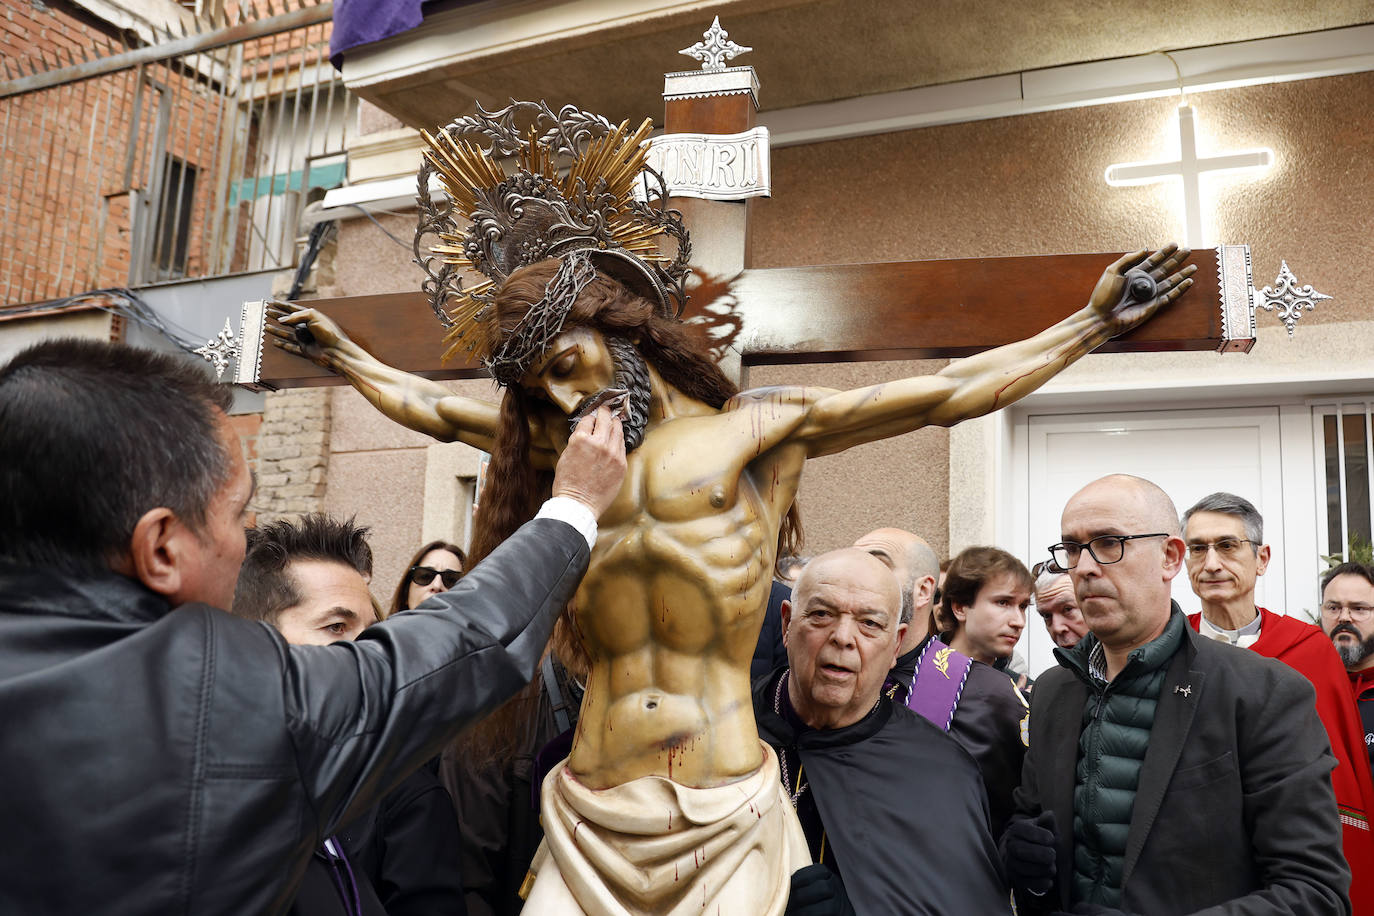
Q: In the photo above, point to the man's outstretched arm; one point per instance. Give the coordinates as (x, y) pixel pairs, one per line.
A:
(366, 714)
(993, 379)
(418, 403)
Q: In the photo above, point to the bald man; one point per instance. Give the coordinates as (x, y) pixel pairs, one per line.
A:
(917, 568)
(1180, 773)
(879, 791)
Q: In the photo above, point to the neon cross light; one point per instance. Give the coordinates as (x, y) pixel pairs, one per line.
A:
(1189, 168)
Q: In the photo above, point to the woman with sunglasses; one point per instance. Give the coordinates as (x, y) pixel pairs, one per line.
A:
(436, 567)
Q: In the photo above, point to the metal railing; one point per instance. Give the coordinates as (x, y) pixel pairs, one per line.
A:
(1344, 434)
(189, 155)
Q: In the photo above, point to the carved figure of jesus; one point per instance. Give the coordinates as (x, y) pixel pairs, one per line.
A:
(670, 609)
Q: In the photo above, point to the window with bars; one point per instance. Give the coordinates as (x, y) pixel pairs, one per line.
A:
(1344, 442)
(173, 237)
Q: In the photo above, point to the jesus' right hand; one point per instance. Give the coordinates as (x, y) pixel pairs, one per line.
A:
(592, 467)
(304, 332)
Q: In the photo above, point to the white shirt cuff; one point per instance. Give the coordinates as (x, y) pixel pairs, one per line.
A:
(566, 509)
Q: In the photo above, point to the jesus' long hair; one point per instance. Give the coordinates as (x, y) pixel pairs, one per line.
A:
(514, 488)
(680, 352)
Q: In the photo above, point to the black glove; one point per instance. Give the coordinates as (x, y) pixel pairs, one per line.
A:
(1029, 852)
(1093, 909)
(817, 891)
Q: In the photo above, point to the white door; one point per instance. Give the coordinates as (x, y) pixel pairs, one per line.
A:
(1190, 453)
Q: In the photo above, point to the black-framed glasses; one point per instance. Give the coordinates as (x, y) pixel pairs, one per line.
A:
(1105, 549)
(423, 575)
(1331, 610)
(1047, 566)
(1226, 548)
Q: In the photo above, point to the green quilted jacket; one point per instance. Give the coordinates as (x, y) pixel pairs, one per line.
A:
(1117, 719)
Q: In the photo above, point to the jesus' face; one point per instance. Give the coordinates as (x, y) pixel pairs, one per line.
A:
(578, 365)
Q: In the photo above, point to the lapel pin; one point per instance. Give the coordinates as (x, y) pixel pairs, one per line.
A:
(1186, 690)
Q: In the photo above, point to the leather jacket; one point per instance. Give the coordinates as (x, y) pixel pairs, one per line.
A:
(187, 761)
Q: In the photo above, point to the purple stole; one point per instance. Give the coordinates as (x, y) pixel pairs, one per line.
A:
(938, 683)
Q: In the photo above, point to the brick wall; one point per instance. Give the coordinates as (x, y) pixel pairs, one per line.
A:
(246, 427)
(292, 450)
(66, 215)
(75, 155)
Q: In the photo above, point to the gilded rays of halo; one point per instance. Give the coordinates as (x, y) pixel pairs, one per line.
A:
(603, 174)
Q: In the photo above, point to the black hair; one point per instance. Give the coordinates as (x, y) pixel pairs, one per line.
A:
(1349, 568)
(265, 588)
(92, 436)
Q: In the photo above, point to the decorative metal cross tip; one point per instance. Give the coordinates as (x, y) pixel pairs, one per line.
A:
(715, 48)
(218, 352)
(1289, 298)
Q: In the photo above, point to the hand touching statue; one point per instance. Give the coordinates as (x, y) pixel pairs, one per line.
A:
(591, 468)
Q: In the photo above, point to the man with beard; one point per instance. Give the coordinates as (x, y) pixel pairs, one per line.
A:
(876, 787)
(1348, 618)
(1226, 555)
(580, 300)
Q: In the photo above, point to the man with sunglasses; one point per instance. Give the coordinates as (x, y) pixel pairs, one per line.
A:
(1167, 773)
(1226, 555)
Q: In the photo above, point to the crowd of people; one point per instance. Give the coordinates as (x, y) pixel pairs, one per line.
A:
(315, 752)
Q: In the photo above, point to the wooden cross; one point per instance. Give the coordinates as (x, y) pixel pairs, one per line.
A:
(1189, 168)
(896, 310)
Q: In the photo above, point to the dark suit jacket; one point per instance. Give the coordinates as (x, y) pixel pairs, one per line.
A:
(1234, 813)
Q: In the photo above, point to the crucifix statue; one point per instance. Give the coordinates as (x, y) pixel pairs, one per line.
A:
(668, 794)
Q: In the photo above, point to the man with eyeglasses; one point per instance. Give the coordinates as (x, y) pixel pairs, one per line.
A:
(1348, 618)
(1167, 773)
(1226, 555)
(1057, 604)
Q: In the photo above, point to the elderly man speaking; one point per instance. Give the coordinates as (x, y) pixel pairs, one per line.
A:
(880, 792)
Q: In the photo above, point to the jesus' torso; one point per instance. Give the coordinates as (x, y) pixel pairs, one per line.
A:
(670, 608)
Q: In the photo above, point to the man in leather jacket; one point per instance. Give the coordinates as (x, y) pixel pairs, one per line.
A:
(159, 755)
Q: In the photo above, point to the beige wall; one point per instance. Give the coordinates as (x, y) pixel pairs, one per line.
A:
(22, 333)
(1011, 186)
(377, 474)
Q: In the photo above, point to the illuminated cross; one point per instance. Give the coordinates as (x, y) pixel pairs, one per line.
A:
(1189, 168)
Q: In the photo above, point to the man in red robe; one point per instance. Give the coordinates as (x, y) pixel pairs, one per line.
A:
(1225, 556)
(1348, 618)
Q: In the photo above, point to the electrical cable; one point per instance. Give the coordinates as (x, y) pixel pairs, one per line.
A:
(133, 307)
(368, 213)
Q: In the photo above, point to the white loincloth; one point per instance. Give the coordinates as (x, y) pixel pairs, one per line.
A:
(653, 846)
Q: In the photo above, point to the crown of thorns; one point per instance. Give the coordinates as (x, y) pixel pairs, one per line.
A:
(581, 192)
